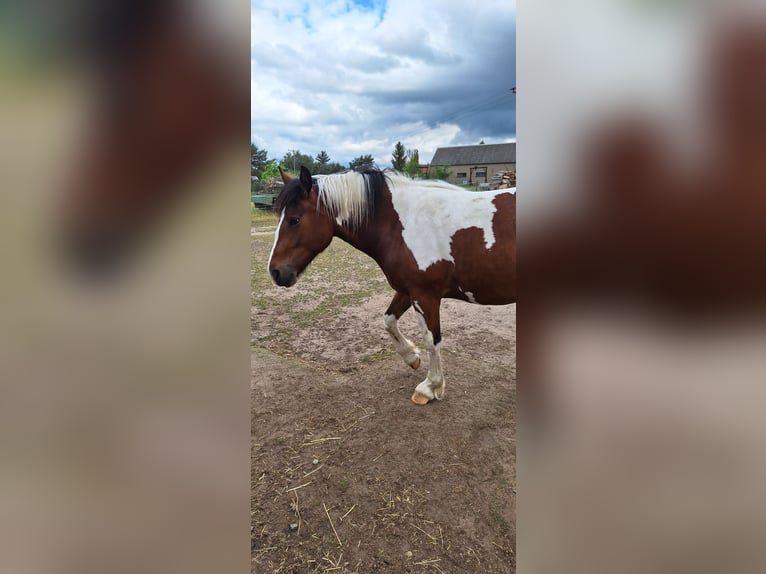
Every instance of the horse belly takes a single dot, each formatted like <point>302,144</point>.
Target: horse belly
<point>499,290</point>
<point>483,276</point>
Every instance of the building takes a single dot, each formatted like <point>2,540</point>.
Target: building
<point>476,164</point>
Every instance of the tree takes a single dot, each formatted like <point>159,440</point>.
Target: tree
<point>439,172</point>
<point>334,167</point>
<point>413,163</point>
<point>271,171</point>
<point>361,162</point>
<point>399,157</point>
<point>322,158</point>
<point>322,162</point>
<point>258,159</point>
<point>294,159</point>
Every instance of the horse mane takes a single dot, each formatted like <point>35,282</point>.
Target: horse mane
<point>290,193</point>
<point>350,197</point>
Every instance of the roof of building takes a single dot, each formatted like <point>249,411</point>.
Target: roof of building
<point>475,154</point>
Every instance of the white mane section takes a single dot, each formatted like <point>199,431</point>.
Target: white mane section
<point>344,196</point>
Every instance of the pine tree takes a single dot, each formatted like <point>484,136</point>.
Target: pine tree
<point>363,161</point>
<point>322,162</point>
<point>399,157</point>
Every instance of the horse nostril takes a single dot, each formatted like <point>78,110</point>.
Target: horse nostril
<point>275,275</point>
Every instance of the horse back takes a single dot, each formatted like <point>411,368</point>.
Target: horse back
<point>484,273</point>
<point>453,243</point>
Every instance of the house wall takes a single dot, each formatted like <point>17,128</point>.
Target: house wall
<point>477,173</point>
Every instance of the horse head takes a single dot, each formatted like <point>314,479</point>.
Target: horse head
<point>303,231</point>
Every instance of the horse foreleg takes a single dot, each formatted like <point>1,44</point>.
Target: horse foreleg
<point>403,345</point>
<point>433,386</point>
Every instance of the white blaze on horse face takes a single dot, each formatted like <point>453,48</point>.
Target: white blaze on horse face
<point>432,212</point>
<point>276,238</point>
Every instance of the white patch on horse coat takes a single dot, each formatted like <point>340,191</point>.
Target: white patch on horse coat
<point>276,238</point>
<point>468,294</point>
<point>431,212</point>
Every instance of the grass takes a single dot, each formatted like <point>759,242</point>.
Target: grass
<point>261,218</point>
<point>339,278</point>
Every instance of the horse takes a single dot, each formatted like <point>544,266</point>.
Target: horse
<point>432,240</point>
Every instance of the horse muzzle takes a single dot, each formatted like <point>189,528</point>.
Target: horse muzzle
<point>284,277</point>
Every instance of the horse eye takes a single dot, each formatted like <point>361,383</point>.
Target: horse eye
<point>293,221</point>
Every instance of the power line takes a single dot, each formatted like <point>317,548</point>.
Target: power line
<point>492,102</point>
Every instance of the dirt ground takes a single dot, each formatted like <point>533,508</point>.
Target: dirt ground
<point>348,476</point>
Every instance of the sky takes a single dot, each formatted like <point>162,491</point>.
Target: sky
<point>354,77</point>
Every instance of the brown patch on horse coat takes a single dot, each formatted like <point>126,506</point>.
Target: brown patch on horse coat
<point>474,264</point>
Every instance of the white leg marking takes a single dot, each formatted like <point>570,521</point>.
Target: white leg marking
<point>470,296</point>
<point>433,385</point>
<point>402,344</point>
<point>276,238</point>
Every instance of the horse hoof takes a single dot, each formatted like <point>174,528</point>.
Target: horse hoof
<point>419,399</point>
<point>415,364</point>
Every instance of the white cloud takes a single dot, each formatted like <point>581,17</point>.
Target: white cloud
<point>329,74</point>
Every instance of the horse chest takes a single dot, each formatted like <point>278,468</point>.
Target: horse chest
<point>431,218</point>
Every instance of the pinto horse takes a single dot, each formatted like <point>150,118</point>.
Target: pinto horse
<point>431,239</point>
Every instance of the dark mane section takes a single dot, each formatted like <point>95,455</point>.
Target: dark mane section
<point>374,186</point>
<point>375,181</point>
<point>290,193</point>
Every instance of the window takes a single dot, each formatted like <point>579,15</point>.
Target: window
<point>481,174</point>
<point>461,174</point>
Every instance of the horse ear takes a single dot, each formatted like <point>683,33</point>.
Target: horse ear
<point>306,182</point>
<point>285,178</point>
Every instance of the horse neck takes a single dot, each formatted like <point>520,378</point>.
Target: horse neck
<point>378,235</point>
<point>365,238</point>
